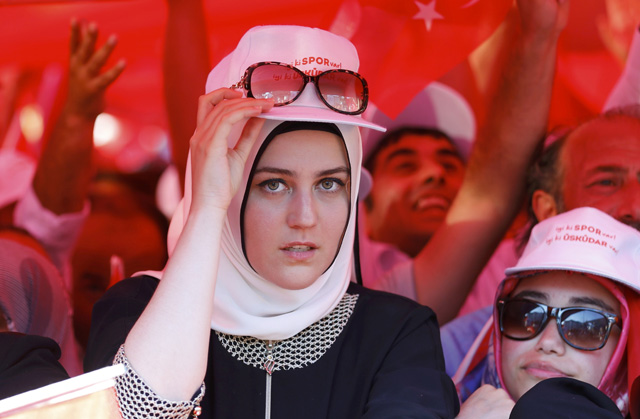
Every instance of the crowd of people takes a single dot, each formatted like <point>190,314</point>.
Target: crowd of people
<point>325,259</point>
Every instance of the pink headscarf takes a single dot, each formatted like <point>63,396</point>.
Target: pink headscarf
<point>614,379</point>
<point>587,241</point>
<point>34,300</point>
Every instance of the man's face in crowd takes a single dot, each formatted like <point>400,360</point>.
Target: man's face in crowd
<point>601,164</point>
<point>415,181</point>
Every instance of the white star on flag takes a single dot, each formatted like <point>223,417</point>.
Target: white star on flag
<point>427,13</point>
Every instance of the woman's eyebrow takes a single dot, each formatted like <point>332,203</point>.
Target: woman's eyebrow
<point>274,170</point>
<point>340,169</point>
<point>535,295</point>
<point>592,301</point>
<point>287,172</point>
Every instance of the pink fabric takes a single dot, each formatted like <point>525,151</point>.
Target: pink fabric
<point>33,298</point>
<point>57,233</point>
<point>484,289</point>
<point>385,268</point>
<point>16,172</point>
<point>627,89</point>
<point>376,259</point>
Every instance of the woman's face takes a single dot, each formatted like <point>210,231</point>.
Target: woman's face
<point>297,207</point>
<point>527,362</point>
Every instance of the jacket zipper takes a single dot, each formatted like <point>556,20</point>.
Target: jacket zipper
<point>269,366</point>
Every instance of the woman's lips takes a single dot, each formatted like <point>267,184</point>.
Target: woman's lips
<point>543,370</point>
<point>299,251</point>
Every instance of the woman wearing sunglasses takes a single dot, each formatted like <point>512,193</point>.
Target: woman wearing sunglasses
<point>255,314</point>
<point>567,309</point>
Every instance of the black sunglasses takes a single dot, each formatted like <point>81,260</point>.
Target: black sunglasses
<point>580,327</point>
<point>343,91</point>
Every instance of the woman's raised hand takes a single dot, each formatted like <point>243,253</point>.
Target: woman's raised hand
<point>217,169</point>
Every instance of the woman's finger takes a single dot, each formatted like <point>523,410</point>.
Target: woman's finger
<point>207,102</point>
<point>216,128</point>
<point>222,112</point>
<point>248,137</point>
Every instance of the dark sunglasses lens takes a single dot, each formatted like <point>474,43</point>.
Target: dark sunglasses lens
<point>521,319</point>
<point>280,83</point>
<point>342,91</point>
<point>585,329</point>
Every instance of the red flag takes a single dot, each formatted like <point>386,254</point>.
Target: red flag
<point>405,44</point>
<point>36,33</point>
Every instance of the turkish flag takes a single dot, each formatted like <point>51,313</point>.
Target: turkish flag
<point>405,44</point>
<point>36,34</point>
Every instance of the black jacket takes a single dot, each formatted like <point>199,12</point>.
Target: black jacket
<point>28,362</point>
<point>387,362</point>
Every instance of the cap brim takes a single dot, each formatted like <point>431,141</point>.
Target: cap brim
<point>312,114</point>
<point>518,271</point>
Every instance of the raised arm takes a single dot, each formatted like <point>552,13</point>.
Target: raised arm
<point>178,316</point>
<point>493,186</point>
<point>185,66</point>
<point>627,89</point>
<point>61,181</point>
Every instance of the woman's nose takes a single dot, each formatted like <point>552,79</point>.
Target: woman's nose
<point>302,211</point>
<point>549,340</point>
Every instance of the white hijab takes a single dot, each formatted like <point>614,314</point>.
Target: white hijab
<point>246,304</point>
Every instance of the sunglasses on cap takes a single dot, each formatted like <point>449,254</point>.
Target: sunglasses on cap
<point>343,91</point>
<point>580,327</point>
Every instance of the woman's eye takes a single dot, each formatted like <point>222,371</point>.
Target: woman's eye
<point>327,184</point>
<point>272,185</point>
<point>331,184</point>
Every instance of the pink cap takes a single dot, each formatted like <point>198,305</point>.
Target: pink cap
<point>437,106</point>
<point>589,241</point>
<point>311,50</point>
<point>584,240</point>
